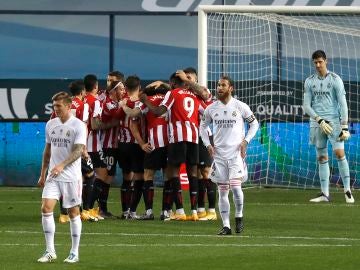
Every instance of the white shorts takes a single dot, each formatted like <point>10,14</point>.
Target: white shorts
<point>222,171</point>
<point>70,192</point>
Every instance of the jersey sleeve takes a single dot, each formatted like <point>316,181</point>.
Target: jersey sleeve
<point>97,109</point>
<point>80,137</point>
<point>168,100</point>
<point>47,136</point>
<point>307,100</point>
<point>204,124</point>
<point>341,98</point>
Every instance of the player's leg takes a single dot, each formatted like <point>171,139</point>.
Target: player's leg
<point>319,139</point>
<point>50,195</point>
<point>64,217</point>
<point>192,159</point>
<point>126,186</point>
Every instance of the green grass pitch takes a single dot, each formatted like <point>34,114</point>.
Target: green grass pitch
<point>282,231</point>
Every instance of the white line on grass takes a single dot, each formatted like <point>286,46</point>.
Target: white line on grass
<point>192,235</point>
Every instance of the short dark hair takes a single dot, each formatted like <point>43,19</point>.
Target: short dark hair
<point>62,96</point>
<point>150,91</point>
<point>190,70</point>
<point>90,82</point>
<point>112,85</point>
<point>76,87</point>
<point>118,75</point>
<point>132,82</point>
<point>175,81</point>
<point>227,78</point>
<point>318,54</point>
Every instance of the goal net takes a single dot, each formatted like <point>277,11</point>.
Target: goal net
<point>267,52</point>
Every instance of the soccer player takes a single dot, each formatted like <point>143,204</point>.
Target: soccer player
<point>228,116</point>
<point>325,103</point>
<point>183,107</point>
<point>65,141</point>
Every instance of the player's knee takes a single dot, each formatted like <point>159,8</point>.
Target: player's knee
<point>339,153</point>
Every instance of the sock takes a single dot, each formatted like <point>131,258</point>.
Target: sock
<point>138,190</point>
<point>193,186</point>
<point>148,193</point>
<point>97,188</point>
<point>201,195</point>
<point>87,190</point>
<point>124,193</point>
<point>238,197</point>
<point>344,173</point>
<point>48,224</point>
<point>211,193</point>
<point>224,204</point>
<point>324,174</point>
<point>103,197</point>
<point>167,196</point>
<point>75,230</point>
<point>63,210</point>
<point>177,192</point>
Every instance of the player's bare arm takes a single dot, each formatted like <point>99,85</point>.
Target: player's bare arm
<point>45,164</point>
<point>154,109</point>
<point>134,128</point>
<point>211,150</point>
<point>135,112</point>
<point>97,124</point>
<point>76,153</point>
<point>194,86</point>
<point>157,84</point>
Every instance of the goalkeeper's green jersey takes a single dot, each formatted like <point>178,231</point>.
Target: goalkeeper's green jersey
<point>325,97</point>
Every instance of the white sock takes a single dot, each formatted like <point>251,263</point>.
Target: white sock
<point>224,204</point>
<point>75,230</point>
<point>48,224</point>
<point>238,197</point>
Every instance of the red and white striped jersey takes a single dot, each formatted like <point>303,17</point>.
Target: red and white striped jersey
<point>125,134</point>
<point>157,126</point>
<point>110,111</point>
<point>183,107</point>
<point>95,110</point>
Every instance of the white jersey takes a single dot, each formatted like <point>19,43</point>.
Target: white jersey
<point>62,137</point>
<point>228,127</point>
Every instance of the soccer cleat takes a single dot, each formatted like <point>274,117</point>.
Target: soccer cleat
<point>47,257</point>
<point>146,217</point>
<point>349,198</point>
<point>72,258</point>
<point>201,214</point>
<point>172,215</point>
<point>192,217</point>
<point>85,216</point>
<point>95,213</point>
<point>106,215</point>
<point>239,225</point>
<point>209,216</point>
<point>180,217</point>
<point>321,197</point>
<point>124,215</point>
<point>165,216</point>
<point>225,231</point>
<point>133,216</point>
<point>63,219</point>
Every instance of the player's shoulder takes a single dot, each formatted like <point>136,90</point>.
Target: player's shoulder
<point>311,77</point>
<point>333,75</point>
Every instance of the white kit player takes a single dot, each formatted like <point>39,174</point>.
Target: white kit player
<point>227,116</point>
<point>65,141</point>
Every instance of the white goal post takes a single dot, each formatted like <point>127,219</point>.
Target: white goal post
<point>267,51</point>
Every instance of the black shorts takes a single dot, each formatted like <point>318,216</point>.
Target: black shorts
<point>110,157</point>
<point>157,159</point>
<point>205,160</point>
<point>97,159</point>
<point>183,152</point>
<point>131,158</point>
<point>86,166</point>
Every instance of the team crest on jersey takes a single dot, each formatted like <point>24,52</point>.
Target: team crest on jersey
<point>314,86</point>
<point>234,114</point>
<point>68,133</point>
<point>329,85</point>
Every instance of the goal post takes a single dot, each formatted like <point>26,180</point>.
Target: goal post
<point>267,51</point>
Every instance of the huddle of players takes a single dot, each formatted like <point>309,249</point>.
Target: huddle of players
<point>144,131</point>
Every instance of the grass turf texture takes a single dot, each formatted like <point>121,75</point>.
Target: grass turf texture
<point>282,231</point>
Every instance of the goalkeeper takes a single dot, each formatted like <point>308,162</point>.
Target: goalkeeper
<point>325,103</point>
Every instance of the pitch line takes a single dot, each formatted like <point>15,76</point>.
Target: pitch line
<point>192,235</point>
<point>186,245</point>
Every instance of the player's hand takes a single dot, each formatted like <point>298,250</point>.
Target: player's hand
<point>41,181</point>
<point>211,150</point>
<point>142,97</point>
<point>324,125</point>
<point>56,170</point>
<point>146,147</point>
<point>155,84</point>
<point>243,147</point>
<point>182,75</point>
<point>344,134</point>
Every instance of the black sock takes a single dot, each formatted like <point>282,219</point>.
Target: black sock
<point>193,189</point>
<point>138,189</point>
<point>103,197</point>
<point>97,188</point>
<point>167,196</point>
<point>201,195</point>
<point>148,193</point>
<point>211,192</point>
<point>63,210</point>
<point>177,192</point>
<point>87,190</point>
<point>125,194</point>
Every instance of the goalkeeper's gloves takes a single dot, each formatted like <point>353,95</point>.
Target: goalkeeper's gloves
<point>344,134</point>
<point>324,125</point>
